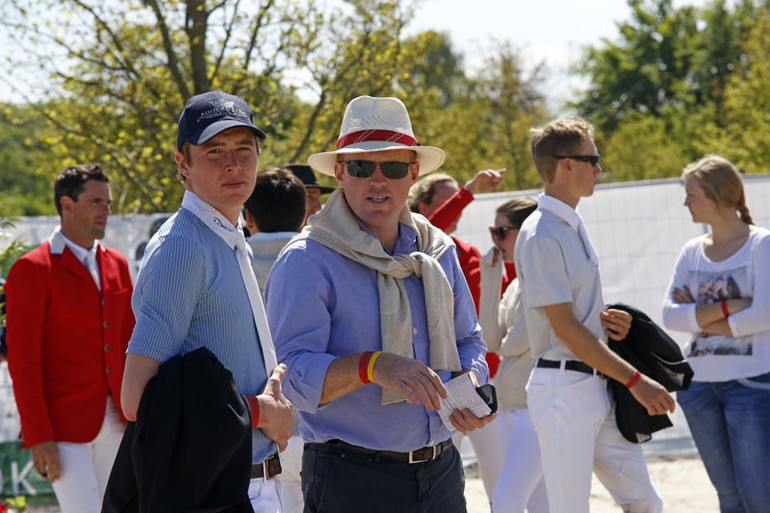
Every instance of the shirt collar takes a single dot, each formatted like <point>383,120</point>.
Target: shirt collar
<point>212,218</point>
<point>57,242</point>
<point>406,237</point>
<point>560,209</point>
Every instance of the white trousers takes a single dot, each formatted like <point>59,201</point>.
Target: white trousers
<point>265,495</point>
<point>290,478</point>
<point>520,484</point>
<point>489,453</point>
<point>85,468</point>
<point>574,416</point>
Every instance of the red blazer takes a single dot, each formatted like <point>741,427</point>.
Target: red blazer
<point>66,340</point>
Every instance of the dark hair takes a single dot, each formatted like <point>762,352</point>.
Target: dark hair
<point>72,181</point>
<point>517,209</point>
<point>278,201</point>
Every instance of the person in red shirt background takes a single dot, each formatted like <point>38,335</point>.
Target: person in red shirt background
<point>440,199</point>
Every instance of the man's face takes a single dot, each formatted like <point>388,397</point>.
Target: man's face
<point>85,220</point>
<point>222,171</point>
<point>312,202</point>
<point>586,174</point>
<point>377,200</point>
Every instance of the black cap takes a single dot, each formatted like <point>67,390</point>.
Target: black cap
<point>305,173</point>
<point>207,114</point>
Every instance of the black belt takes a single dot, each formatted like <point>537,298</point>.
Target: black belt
<point>428,453</point>
<point>268,469</point>
<point>573,365</point>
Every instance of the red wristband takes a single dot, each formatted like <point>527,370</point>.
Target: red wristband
<point>631,382</point>
<point>254,403</point>
<point>724,308</point>
<point>363,366</point>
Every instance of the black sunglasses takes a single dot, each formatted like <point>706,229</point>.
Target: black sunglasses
<point>365,168</point>
<point>591,159</point>
<point>500,231</point>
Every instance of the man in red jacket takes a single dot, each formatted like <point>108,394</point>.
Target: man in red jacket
<point>68,324</point>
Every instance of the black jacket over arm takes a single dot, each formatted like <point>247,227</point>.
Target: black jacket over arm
<point>190,448</point>
<point>648,348</point>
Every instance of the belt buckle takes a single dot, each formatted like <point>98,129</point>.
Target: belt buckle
<point>266,468</point>
<point>433,457</point>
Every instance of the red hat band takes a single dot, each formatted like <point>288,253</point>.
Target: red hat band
<point>376,135</point>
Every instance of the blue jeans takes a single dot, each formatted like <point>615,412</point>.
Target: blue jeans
<point>335,480</point>
<point>730,423</point>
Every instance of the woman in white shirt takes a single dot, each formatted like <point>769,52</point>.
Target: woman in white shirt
<point>520,483</point>
<point>720,292</point>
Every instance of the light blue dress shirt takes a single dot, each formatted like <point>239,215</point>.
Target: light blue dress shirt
<point>322,305</point>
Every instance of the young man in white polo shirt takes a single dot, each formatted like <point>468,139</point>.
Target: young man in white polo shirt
<point>567,393</point>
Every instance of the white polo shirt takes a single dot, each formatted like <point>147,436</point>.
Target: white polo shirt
<point>556,263</point>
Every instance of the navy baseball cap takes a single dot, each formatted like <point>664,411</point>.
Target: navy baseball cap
<point>207,114</point>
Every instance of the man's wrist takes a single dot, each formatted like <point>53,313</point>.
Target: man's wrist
<point>634,379</point>
<point>366,366</point>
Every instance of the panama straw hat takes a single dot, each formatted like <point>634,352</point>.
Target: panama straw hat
<point>377,124</point>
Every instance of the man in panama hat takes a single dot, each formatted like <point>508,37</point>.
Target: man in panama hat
<point>370,311</point>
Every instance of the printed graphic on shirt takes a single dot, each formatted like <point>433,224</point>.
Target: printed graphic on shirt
<point>713,288</point>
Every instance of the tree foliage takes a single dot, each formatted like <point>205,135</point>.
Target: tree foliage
<point>123,70</point>
<point>680,83</point>
<point>745,137</point>
<point>26,162</point>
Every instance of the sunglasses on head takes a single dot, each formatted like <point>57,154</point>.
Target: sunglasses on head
<point>365,168</point>
<point>499,232</point>
<point>591,159</point>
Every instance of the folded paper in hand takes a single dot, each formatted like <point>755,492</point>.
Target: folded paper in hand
<point>462,394</point>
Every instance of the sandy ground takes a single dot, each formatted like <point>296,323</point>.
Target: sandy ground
<point>680,480</point>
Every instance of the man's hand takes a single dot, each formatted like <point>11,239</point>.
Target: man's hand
<point>465,421</point>
<point>653,396</point>
<point>45,458</point>
<point>485,181</point>
<point>415,380</point>
<point>275,410</point>
<point>616,323</point>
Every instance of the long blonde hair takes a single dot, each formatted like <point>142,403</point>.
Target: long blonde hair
<point>721,182</point>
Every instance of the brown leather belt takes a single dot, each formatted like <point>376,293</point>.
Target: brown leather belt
<point>428,453</point>
<point>268,469</point>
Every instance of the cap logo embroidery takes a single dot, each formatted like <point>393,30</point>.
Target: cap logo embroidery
<point>222,107</point>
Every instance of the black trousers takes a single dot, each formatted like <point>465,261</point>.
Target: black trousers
<point>336,479</point>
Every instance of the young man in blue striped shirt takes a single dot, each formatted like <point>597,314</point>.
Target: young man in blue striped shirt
<point>192,290</point>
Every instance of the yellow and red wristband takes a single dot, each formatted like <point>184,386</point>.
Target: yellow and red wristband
<point>366,366</point>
